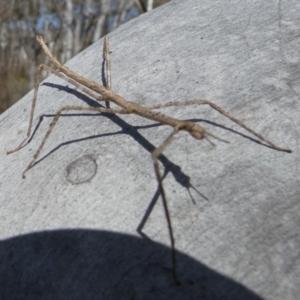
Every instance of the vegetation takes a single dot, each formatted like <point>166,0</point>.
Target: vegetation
<point>68,26</point>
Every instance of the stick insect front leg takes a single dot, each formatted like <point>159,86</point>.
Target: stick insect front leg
<point>223,112</point>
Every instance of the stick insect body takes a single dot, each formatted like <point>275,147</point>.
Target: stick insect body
<point>128,107</point>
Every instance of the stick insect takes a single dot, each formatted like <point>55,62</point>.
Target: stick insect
<point>105,93</point>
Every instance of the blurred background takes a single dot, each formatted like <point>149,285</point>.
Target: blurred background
<point>68,27</point>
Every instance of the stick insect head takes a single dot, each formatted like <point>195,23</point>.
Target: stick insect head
<point>196,130</point>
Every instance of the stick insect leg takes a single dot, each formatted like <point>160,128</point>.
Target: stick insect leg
<point>37,82</point>
<point>106,69</point>
<point>54,121</point>
<point>106,58</point>
<point>223,112</point>
<point>155,155</point>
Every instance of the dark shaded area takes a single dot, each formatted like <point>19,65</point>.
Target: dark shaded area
<point>90,264</point>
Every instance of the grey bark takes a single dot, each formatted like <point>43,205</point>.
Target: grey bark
<point>69,229</point>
